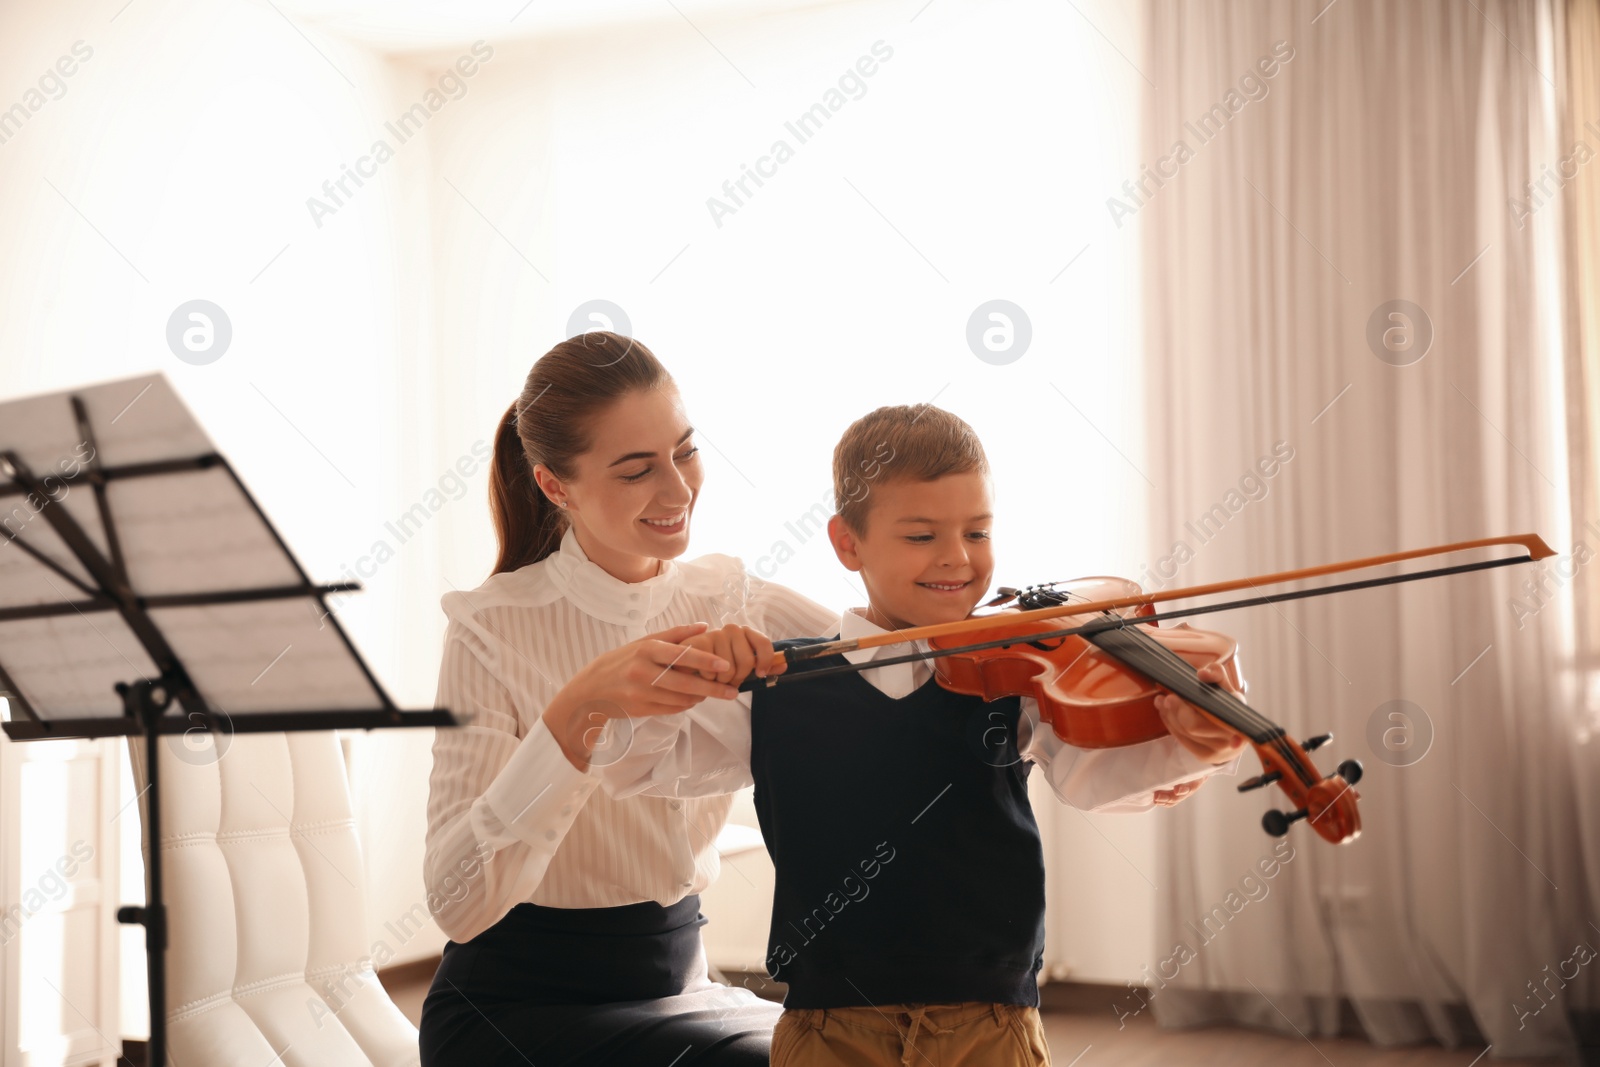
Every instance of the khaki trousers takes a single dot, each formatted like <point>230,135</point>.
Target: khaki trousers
<point>911,1035</point>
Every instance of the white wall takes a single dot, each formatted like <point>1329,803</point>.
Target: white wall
<point>372,352</point>
<point>176,165</point>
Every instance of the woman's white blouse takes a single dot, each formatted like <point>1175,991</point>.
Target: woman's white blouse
<point>510,819</point>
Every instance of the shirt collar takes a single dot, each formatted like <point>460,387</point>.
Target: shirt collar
<point>591,589</point>
<point>897,680</point>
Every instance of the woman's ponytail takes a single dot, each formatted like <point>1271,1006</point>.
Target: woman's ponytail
<point>528,524</point>
<point>549,424</point>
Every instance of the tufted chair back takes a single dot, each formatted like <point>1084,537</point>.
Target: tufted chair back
<point>266,905</point>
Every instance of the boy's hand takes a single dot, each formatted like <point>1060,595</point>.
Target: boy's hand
<point>1168,797</point>
<point>1208,739</point>
<point>744,648</point>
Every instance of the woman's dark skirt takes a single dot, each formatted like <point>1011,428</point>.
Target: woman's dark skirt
<point>563,987</point>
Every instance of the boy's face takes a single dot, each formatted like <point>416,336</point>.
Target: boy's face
<point>925,556</point>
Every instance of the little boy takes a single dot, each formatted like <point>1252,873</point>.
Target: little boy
<point>908,913</point>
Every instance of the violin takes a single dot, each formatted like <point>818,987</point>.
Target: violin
<point>1096,678</point>
<point>1097,688</point>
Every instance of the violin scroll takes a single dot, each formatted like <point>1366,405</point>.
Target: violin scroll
<point>1328,804</point>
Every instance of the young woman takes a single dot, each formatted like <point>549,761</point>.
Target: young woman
<point>573,916</point>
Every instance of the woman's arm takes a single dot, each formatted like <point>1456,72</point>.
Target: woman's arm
<point>503,797</point>
<point>499,801</point>
<point>706,750</point>
<point>703,752</point>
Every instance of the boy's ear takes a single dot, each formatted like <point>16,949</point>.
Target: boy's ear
<point>844,543</point>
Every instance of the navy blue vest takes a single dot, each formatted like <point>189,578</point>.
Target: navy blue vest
<point>909,867</point>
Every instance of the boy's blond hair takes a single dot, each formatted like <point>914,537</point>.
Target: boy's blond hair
<point>905,441</point>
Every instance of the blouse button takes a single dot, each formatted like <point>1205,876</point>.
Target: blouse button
<point>674,805</point>
<point>633,614</point>
<point>685,885</point>
<point>549,835</point>
<point>633,596</point>
<point>566,809</point>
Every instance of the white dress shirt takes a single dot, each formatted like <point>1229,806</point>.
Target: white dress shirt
<point>707,748</point>
<point>501,788</point>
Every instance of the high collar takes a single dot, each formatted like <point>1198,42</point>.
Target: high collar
<point>591,589</point>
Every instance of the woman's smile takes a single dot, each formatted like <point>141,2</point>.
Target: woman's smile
<point>670,524</point>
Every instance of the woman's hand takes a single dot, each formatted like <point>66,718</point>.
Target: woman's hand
<point>744,648</point>
<point>1196,731</point>
<point>655,675</point>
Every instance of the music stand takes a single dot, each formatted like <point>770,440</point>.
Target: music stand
<point>144,591</point>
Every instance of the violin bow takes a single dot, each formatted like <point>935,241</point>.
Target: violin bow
<point>1535,545</point>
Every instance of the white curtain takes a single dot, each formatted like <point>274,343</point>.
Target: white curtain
<point>1341,157</point>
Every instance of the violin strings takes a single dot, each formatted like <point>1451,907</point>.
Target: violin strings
<point>1158,660</point>
<point>1178,673</point>
<point>1166,667</point>
<point>1248,718</point>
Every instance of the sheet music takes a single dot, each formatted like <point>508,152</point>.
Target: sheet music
<point>193,531</point>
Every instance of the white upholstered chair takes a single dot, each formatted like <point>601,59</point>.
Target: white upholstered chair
<point>739,903</point>
<point>267,958</point>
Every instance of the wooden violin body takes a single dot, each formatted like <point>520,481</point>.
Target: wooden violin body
<point>1098,690</point>
<point>1091,698</point>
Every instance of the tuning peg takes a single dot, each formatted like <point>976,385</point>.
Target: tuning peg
<point>1350,770</point>
<point>1260,780</point>
<point>1277,823</point>
<point>1311,744</point>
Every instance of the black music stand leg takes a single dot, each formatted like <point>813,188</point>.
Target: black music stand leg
<point>146,701</point>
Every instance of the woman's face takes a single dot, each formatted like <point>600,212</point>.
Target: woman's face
<point>631,495</point>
